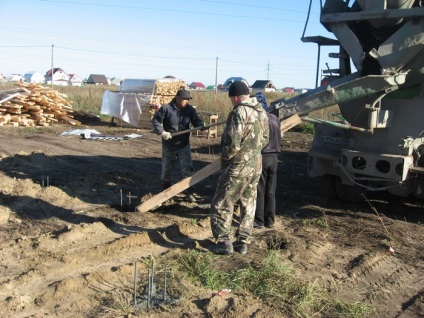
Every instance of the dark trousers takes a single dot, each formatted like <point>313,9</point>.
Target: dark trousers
<point>265,203</point>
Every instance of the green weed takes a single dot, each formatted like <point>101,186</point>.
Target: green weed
<point>272,280</point>
<point>317,222</point>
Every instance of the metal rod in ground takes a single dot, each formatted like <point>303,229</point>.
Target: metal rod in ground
<point>152,275</point>
<point>135,283</point>
<point>47,181</point>
<point>121,198</point>
<point>148,288</point>
<point>164,286</point>
<point>42,181</point>
<point>129,198</point>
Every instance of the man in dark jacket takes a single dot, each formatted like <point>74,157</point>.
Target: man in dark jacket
<point>171,118</point>
<point>265,202</point>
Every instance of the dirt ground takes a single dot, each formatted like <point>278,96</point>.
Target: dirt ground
<point>70,236</point>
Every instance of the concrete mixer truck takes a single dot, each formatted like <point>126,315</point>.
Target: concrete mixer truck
<point>377,142</point>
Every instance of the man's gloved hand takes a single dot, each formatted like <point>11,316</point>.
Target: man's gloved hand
<point>204,128</point>
<point>166,135</point>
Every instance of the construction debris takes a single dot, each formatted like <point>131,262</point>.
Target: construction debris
<point>35,105</point>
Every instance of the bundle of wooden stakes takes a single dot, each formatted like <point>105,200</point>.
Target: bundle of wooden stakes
<point>34,105</point>
<point>165,91</point>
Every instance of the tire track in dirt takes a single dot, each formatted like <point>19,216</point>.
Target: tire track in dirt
<point>377,275</point>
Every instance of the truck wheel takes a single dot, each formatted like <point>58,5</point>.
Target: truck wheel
<point>327,186</point>
<point>348,193</point>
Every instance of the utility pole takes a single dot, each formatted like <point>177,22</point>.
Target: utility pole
<point>267,72</point>
<point>52,66</point>
<point>216,76</point>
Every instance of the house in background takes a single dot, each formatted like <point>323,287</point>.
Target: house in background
<point>15,78</point>
<point>289,90</point>
<point>34,77</point>
<point>263,86</point>
<point>196,85</point>
<point>301,90</point>
<point>75,80</point>
<point>60,77</point>
<point>97,79</point>
<point>116,81</point>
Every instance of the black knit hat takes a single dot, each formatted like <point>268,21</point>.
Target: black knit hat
<point>184,94</point>
<point>238,88</point>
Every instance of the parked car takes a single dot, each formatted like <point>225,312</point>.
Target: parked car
<point>230,81</point>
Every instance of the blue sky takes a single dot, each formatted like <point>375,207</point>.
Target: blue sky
<point>194,40</point>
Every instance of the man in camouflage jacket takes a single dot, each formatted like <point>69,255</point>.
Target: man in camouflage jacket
<point>245,134</point>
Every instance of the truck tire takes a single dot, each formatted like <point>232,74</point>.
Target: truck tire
<point>327,186</point>
<point>348,193</point>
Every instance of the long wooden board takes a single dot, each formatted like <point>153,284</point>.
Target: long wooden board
<point>203,173</point>
<point>290,122</point>
<point>158,199</point>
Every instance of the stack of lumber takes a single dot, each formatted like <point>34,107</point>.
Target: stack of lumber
<point>34,105</point>
<point>165,91</point>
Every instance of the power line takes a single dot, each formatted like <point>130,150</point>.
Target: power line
<point>251,6</point>
<point>167,10</point>
<point>267,71</point>
<point>24,45</point>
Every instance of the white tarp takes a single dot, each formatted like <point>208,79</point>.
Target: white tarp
<point>131,85</point>
<point>125,106</point>
<point>134,93</point>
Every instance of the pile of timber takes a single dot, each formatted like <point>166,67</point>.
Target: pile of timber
<point>164,92</point>
<point>34,105</point>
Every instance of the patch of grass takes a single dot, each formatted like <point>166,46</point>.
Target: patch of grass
<point>352,310</point>
<point>119,303</point>
<point>272,280</point>
<point>87,98</point>
<point>317,222</point>
<point>305,127</point>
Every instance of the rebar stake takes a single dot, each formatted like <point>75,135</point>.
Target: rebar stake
<point>120,190</point>
<point>164,286</point>
<point>148,289</point>
<point>135,283</point>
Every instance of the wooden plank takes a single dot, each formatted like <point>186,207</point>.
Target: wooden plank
<point>290,122</point>
<point>158,199</point>
<point>9,97</point>
<point>203,173</point>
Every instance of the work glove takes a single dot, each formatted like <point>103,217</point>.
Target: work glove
<point>166,135</point>
<point>204,127</point>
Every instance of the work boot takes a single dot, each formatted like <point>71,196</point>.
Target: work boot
<point>240,247</point>
<point>257,226</point>
<point>223,248</point>
<point>190,198</point>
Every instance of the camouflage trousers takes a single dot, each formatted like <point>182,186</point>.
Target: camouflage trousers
<point>231,190</point>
